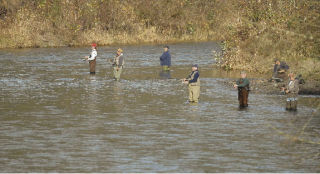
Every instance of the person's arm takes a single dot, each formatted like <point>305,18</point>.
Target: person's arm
<point>245,83</point>
<point>195,78</point>
<point>162,57</point>
<point>93,55</point>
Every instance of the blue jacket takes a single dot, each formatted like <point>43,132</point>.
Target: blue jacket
<point>195,77</point>
<point>165,59</point>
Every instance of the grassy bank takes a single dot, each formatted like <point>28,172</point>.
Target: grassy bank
<point>45,23</point>
<point>254,31</point>
<point>261,30</point>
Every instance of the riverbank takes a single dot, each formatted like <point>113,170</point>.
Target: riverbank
<point>253,32</point>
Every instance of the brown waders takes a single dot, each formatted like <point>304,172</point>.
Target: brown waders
<point>243,95</point>
<point>92,65</point>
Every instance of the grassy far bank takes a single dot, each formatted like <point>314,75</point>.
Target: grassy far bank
<point>254,31</point>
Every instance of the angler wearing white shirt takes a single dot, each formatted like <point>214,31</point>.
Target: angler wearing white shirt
<point>92,58</point>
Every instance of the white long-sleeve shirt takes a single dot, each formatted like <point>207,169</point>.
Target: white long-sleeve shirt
<point>93,54</point>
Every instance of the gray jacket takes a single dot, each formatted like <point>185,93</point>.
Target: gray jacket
<point>118,61</point>
<point>293,87</point>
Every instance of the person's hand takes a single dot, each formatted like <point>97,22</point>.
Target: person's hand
<point>185,81</point>
<point>287,91</point>
<point>235,86</point>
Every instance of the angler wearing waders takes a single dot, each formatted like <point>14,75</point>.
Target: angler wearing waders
<point>243,90</point>
<point>193,82</point>
<point>292,90</point>
<point>165,59</point>
<point>118,63</point>
<point>92,58</point>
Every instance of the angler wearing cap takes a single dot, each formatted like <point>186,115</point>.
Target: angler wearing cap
<point>242,85</point>
<point>193,82</point>
<point>292,90</point>
<point>118,63</point>
<point>92,58</point>
<point>165,59</point>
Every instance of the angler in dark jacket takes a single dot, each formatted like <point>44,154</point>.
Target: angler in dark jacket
<point>242,85</point>
<point>280,69</point>
<point>165,59</point>
<point>193,82</point>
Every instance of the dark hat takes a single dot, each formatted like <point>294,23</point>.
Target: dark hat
<point>166,46</point>
<point>276,59</point>
<point>195,65</point>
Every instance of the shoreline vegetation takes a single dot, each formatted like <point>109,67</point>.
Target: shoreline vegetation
<point>253,32</point>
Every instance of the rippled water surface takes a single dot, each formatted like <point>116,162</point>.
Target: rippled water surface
<point>55,117</point>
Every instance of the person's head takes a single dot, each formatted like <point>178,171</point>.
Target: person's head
<point>277,61</point>
<point>93,45</point>
<point>166,48</point>
<point>194,67</point>
<point>119,51</point>
<point>243,74</point>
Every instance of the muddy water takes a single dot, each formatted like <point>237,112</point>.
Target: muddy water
<point>55,117</point>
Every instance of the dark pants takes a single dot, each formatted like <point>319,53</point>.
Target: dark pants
<point>92,64</point>
<point>243,97</point>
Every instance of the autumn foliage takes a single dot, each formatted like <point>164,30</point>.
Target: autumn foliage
<point>254,32</point>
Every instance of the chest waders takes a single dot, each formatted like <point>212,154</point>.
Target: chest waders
<point>117,68</point>
<point>92,65</point>
<point>194,89</point>
<point>292,99</point>
<point>243,94</point>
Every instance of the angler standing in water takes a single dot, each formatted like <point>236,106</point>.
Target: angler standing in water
<point>193,82</point>
<point>243,89</point>
<point>92,58</point>
<point>165,59</point>
<point>117,64</point>
<point>292,90</point>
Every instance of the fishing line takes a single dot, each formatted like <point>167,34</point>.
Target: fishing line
<point>296,138</point>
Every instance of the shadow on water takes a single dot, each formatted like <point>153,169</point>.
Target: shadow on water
<point>55,117</point>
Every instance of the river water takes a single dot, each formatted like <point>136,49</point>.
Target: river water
<point>55,117</point>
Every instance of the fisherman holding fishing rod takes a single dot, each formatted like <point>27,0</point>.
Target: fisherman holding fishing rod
<point>92,58</point>
<point>193,82</point>
<point>117,64</point>
<point>242,85</point>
